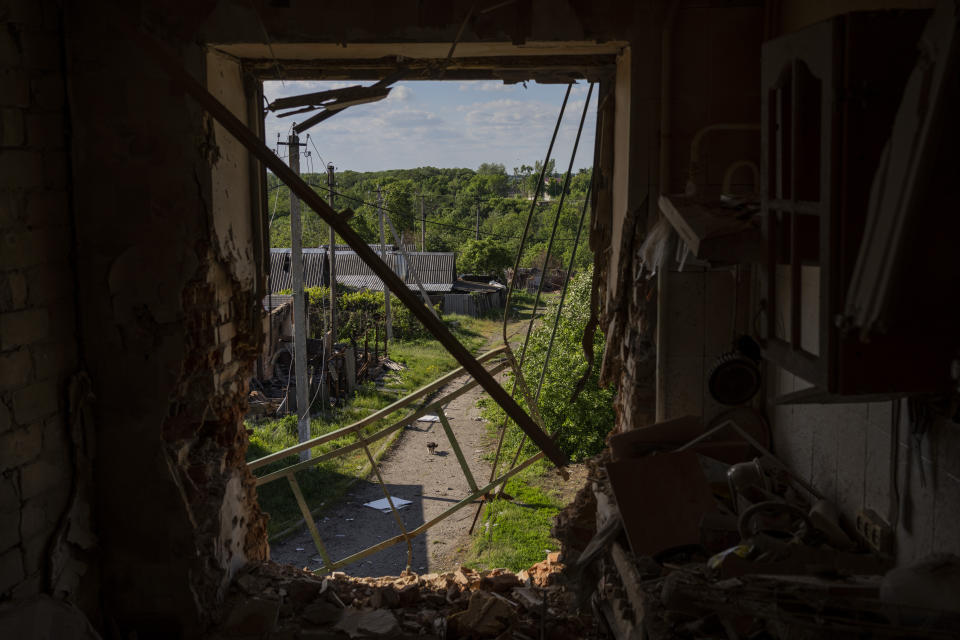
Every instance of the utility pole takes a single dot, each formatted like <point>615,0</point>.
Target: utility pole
<point>478,214</point>
<point>423,226</point>
<point>299,307</point>
<point>332,252</point>
<point>386,291</point>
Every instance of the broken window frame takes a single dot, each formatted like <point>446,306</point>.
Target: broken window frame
<point>250,135</point>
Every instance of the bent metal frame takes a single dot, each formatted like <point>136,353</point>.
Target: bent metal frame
<point>469,364</point>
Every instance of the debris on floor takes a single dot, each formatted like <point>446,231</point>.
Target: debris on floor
<point>694,536</point>
<point>383,505</point>
<point>392,364</point>
<point>278,601</point>
<point>336,371</point>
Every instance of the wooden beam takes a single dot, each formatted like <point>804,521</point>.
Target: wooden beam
<point>174,68</point>
<point>509,68</point>
<point>331,96</point>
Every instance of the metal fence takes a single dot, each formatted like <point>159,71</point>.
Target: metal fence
<point>427,405</point>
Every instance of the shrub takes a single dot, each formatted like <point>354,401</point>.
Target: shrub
<point>579,427</point>
<point>361,316</point>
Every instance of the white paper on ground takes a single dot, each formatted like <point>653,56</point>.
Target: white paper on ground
<point>383,506</point>
<point>428,418</point>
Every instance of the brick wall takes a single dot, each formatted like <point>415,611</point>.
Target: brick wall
<point>38,342</point>
<point>169,321</point>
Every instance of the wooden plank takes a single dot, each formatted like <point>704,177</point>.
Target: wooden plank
<point>631,580</point>
<point>593,67</point>
<point>331,96</point>
<point>661,499</point>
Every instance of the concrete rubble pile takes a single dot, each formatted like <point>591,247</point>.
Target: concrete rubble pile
<point>719,541</point>
<point>282,602</point>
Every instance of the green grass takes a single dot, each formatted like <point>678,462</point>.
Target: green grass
<point>516,534</point>
<point>324,484</point>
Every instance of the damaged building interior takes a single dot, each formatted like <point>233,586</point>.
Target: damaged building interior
<point>774,272</point>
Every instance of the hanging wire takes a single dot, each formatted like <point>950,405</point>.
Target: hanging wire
<point>513,279</point>
<point>412,218</point>
<point>323,162</point>
<point>454,196</point>
<point>276,200</point>
<point>543,279</point>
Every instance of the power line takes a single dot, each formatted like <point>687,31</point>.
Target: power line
<point>411,218</point>
<point>323,162</point>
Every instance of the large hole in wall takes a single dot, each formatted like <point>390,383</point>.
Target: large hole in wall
<point>243,203</point>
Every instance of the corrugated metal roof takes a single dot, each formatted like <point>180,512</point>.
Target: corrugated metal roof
<point>275,301</point>
<point>375,284</point>
<point>433,267</point>
<point>281,277</point>
<point>349,264</point>
<point>437,270</point>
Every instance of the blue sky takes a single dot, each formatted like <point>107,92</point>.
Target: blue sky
<point>442,124</point>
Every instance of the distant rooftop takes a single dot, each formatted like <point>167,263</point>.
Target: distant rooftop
<point>436,270</point>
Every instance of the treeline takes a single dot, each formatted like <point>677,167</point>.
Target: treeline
<point>451,200</point>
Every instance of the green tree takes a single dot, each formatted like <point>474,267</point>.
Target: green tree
<point>491,168</point>
<point>486,255</point>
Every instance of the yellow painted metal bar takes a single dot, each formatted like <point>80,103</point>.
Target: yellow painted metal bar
<point>393,508</point>
<point>280,473</point>
<point>446,514</point>
<point>308,518</point>
<point>456,449</point>
<point>373,417</point>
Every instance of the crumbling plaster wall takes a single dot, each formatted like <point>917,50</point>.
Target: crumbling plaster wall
<point>625,202</point>
<point>44,508</point>
<point>170,323</point>
<point>168,312</point>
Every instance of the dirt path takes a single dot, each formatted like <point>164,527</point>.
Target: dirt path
<point>433,483</point>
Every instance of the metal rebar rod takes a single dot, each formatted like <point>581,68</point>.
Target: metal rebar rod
<point>573,253</point>
<point>174,68</point>
<point>513,279</point>
<point>553,233</point>
<point>533,206</point>
<point>373,417</point>
<point>408,419</point>
<point>393,508</point>
<point>446,514</point>
<point>308,518</point>
<point>452,439</point>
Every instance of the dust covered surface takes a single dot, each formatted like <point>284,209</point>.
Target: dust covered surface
<point>269,600</point>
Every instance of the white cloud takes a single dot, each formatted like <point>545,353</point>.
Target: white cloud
<point>401,93</point>
<point>486,85</point>
<point>457,125</point>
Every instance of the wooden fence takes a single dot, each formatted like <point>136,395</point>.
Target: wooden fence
<point>473,304</point>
